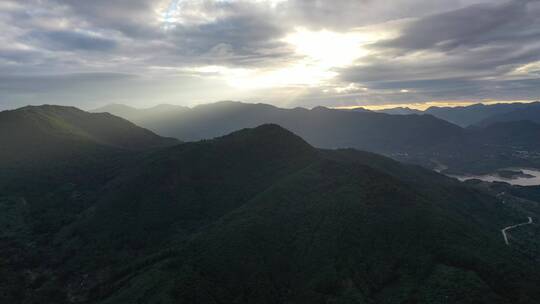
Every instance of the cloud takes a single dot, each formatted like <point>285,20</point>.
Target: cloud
<point>468,53</point>
<point>72,41</point>
<point>472,26</point>
<point>16,56</point>
<point>410,50</point>
<point>244,39</point>
<point>133,18</point>
<point>346,14</point>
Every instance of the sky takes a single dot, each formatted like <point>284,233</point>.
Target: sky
<point>340,53</point>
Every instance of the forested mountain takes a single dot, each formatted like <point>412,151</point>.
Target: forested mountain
<point>476,114</point>
<point>321,127</point>
<point>421,139</point>
<point>473,114</point>
<point>524,135</point>
<point>531,113</point>
<point>44,134</point>
<point>321,195</point>
<point>484,150</point>
<point>260,216</point>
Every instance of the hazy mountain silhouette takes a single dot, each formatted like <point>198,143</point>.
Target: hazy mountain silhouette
<point>530,113</point>
<point>524,134</point>
<point>421,139</point>
<point>400,111</point>
<point>476,114</point>
<point>141,116</point>
<point>473,114</point>
<point>321,127</point>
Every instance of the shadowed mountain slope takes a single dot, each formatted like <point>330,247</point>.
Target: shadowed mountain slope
<point>523,134</point>
<point>473,114</point>
<point>531,113</point>
<point>260,216</point>
<point>421,139</point>
<point>476,114</point>
<point>321,127</point>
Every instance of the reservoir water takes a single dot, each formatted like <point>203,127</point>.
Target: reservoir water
<point>520,181</point>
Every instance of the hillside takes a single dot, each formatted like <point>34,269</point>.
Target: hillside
<point>260,216</point>
<point>520,134</point>
<point>473,114</point>
<point>484,150</point>
<point>44,134</point>
<point>321,127</point>
<point>421,139</point>
<point>476,114</point>
<point>141,116</point>
<point>531,113</point>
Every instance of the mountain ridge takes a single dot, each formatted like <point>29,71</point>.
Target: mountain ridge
<point>531,113</point>
<point>43,132</point>
<point>478,114</point>
<point>417,138</point>
<point>212,120</point>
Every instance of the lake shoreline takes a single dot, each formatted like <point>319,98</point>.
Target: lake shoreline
<point>523,177</point>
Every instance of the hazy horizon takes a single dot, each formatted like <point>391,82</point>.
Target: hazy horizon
<point>287,53</point>
<point>413,106</point>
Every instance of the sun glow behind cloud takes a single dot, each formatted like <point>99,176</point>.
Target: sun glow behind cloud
<point>318,53</point>
<point>329,49</point>
<point>309,53</point>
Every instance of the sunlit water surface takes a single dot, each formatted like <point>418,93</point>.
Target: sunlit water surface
<point>520,181</point>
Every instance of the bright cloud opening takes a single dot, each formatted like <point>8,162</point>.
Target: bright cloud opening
<point>319,52</point>
<point>329,49</point>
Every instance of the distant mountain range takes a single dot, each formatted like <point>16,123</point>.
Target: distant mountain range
<point>142,116</point>
<point>400,111</point>
<point>422,139</point>
<point>256,216</point>
<point>321,127</point>
<point>529,113</point>
<point>477,114</point>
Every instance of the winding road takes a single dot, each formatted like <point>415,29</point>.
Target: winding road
<point>504,230</point>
